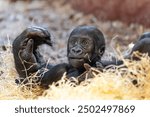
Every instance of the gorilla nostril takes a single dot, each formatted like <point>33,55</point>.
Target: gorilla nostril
<point>79,51</point>
<point>76,51</point>
<point>72,50</point>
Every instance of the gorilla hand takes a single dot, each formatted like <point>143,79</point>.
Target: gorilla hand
<point>27,57</point>
<point>27,60</point>
<point>25,49</point>
<point>39,35</point>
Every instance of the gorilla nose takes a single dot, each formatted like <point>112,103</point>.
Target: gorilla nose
<point>76,51</point>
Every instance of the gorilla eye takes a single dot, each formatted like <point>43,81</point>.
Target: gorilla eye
<point>73,42</point>
<point>84,42</point>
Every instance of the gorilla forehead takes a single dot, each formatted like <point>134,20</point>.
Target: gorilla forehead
<point>90,31</point>
<point>85,30</point>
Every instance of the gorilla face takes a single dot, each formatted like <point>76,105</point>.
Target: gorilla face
<point>81,48</point>
<point>85,45</point>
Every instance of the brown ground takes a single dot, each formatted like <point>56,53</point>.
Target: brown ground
<point>128,11</point>
<point>59,18</point>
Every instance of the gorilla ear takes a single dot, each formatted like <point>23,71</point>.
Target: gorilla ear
<point>101,50</point>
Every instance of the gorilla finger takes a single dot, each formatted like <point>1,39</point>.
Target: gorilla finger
<point>23,54</point>
<point>24,42</point>
<point>34,31</point>
<point>29,47</point>
<point>42,32</point>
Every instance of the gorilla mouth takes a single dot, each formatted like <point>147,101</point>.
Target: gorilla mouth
<point>74,58</point>
<point>76,62</point>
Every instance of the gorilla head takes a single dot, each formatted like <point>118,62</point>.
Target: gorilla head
<point>86,44</point>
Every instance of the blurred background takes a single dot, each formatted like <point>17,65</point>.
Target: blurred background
<point>121,21</point>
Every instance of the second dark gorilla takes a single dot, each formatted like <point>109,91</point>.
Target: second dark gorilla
<point>142,45</point>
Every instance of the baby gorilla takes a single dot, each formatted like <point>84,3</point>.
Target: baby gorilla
<point>86,44</point>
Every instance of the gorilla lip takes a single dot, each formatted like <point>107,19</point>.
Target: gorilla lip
<point>73,58</point>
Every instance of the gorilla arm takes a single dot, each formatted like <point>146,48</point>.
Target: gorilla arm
<point>52,74</point>
<point>28,61</point>
<point>21,51</point>
<point>142,46</point>
<point>46,74</point>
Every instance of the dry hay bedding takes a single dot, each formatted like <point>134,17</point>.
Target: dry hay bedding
<point>109,84</point>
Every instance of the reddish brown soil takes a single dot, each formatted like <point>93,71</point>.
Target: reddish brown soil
<point>129,11</point>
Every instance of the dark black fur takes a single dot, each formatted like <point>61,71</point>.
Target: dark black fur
<point>86,44</point>
<point>39,36</point>
<point>142,46</point>
<point>27,56</point>
<point>34,36</point>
